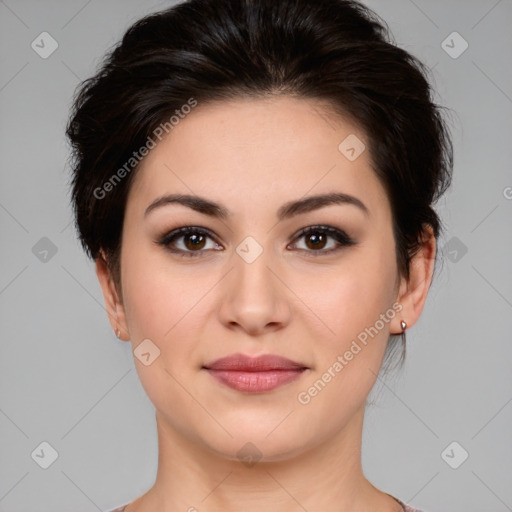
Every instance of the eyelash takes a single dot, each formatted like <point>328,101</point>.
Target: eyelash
<point>340,236</point>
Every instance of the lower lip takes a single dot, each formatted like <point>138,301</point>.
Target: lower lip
<point>255,382</point>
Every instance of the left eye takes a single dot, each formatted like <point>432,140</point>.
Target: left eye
<point>317,239</point>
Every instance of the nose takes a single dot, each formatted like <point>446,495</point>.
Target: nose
<point>254,298</point>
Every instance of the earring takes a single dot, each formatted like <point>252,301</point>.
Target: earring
<point>403,325</point>
<point>118,333</point>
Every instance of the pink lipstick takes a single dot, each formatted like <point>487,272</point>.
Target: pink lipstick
<point>255,374</point>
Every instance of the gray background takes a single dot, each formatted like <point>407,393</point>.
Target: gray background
<point>65,378</point>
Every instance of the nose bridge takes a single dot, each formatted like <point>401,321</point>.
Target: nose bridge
<point>256,298</point>
<point>252,262</point>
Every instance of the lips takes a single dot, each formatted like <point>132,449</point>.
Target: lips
<point>243,363</point>
<point>254,374</point>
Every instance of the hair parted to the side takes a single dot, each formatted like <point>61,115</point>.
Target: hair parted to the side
<point>337,51</point>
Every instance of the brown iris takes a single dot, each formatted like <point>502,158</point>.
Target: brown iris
<point>194,241</point>
<point>317,240</point>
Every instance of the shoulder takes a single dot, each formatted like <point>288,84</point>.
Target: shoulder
<point>407,508</point>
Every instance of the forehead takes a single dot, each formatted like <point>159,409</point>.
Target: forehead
<point>258,148</point>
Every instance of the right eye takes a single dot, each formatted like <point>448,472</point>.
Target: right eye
<point>188,241</point>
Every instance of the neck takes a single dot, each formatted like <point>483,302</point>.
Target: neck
<point>193,478</point>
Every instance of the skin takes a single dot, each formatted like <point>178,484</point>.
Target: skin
<point>252,156</point>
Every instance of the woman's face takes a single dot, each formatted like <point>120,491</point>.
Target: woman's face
<point>248,282</point>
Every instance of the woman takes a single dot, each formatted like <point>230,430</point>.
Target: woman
<point>255,182</point>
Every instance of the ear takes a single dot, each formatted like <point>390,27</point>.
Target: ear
<point>114,305</point>
<point>413,292</point>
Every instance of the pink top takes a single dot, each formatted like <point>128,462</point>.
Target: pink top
<point>406,508</point>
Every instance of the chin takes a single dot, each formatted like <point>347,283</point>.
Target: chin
<point>253,445</point>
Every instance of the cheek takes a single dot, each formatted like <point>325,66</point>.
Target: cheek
<point>352,296</point>
<point>348,361</point>
<point>159,294</point>
<point>163,304</point>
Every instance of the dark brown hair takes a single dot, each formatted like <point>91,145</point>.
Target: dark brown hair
<point>338,51</point>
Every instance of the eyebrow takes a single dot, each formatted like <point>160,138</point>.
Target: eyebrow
<point>288,210</point>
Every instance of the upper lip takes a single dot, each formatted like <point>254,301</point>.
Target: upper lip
<point>241,362</point>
